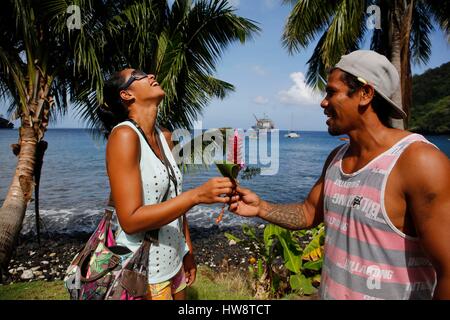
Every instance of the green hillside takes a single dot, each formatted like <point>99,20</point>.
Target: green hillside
<point>431,101</point>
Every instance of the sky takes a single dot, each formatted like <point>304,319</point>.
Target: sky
<point>268,80</point>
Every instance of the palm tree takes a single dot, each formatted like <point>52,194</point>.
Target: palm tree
<point>183,52</point>
<point>44,66</point>
<point>342,26</point>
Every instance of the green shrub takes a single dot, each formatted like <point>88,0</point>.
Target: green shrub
<point>286,261</point>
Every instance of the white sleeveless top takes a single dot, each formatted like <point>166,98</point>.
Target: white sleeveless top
<point>166,258</point>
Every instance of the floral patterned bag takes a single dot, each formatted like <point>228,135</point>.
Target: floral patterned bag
<point>131,281</point>
<point>97,269</point>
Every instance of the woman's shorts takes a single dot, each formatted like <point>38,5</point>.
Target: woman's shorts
<point>166,289</point>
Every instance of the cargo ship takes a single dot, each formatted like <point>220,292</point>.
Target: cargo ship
<point>263,123</point>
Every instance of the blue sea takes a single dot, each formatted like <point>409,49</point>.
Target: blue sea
<point>74,186</point>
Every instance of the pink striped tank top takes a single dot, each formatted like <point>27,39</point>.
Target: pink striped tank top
<point>366,256</point>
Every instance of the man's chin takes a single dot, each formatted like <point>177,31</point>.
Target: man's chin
<point>334,131</point>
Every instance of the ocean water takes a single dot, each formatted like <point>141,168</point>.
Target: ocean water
<point>74,186</point>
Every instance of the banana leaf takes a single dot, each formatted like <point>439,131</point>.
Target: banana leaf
<point>301,283</point>
<point>228,169</point>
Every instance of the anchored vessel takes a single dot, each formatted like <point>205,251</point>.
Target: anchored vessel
<point>263,123</point>
<point>292,134</point>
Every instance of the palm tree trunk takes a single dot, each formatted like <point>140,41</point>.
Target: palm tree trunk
<point>405,57</point>
<point>34,124</point>
<point>40,151</point>
<point>19,194</point>
<point>400,31</point>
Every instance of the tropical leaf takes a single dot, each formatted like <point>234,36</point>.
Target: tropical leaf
<point>229,236</point>
<point>191,43</point>
<point>439,10</point>
<point>260,269</point>
<point>314,250</point>
<point>315,265</point>
<point>420,30</point>
<point>249,231</point>
<point>291,254</point>
<point>339,27</point>
<point>271,231</point>
<point>229,170</point>
<point>300,283</point>
<point>271,234</point>
<point>342,28</point>
<point>316,279</point>
<point>313,254</point>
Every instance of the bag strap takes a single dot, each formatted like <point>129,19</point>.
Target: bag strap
<point>170,172</point>
<point>165,161</point>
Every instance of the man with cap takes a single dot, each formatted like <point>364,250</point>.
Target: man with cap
<point>384,196</point>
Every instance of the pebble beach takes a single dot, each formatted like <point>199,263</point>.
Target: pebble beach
<point>49,260</point>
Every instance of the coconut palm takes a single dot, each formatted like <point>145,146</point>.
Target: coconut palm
<point>183,53</point>
<point>343,25</point>
<point>44,66</point>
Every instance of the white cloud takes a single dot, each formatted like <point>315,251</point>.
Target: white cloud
<point>260,100</point>
<point>270,3</point>
<point>299,93</point>
<point>234,3</point>
<point>259,70</point>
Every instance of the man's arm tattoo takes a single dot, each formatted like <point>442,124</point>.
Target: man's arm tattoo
<point>290,216</point>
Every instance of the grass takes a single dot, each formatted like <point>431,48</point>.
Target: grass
<point>208,286</point>
<point>35,290</point>
<point>219,286</point>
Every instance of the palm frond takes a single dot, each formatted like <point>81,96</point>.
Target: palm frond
<point>316,74</point>
<point>345,32</point>
<point>343,28</point>
<point>307,19</point>
<point>420,30</point>
<point>189,48</point>
<point>440,11</point>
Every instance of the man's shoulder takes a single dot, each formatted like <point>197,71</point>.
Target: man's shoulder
<point>421,152</point>
<point>421,160</point>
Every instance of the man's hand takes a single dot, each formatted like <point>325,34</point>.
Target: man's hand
<point>190,268</point>
<point>246,203</point>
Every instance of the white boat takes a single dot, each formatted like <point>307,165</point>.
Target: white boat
<point>292,135</point>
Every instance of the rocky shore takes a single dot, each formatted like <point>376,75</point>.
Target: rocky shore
<point>49,261</point>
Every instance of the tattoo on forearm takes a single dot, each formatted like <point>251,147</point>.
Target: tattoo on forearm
<point>290,216</point>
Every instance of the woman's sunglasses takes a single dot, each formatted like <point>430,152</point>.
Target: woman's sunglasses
<point>135,75</point>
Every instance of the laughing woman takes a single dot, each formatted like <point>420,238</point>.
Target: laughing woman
<point>146,187</point>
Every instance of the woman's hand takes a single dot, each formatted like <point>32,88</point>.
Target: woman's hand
<point>246,204</point>
<point>190,268</point>
<point>211,191</point>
